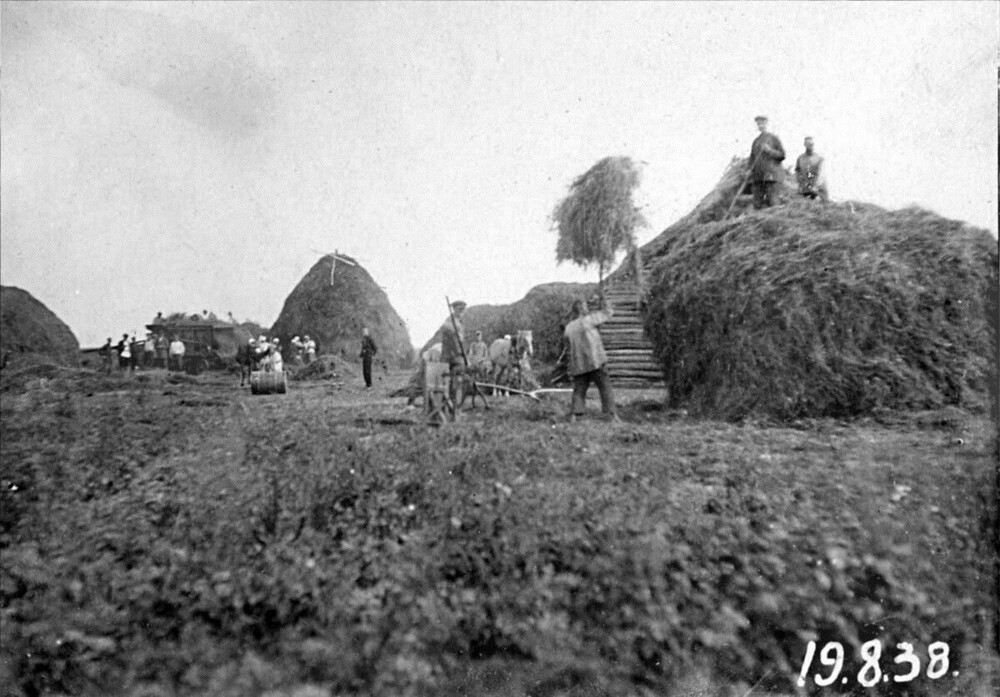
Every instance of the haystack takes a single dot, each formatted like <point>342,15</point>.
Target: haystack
<point>808,310</point>
<point>333,314</point>
<point>31,332</point>
<point>544,310</point>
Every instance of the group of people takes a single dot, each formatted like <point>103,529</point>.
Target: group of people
<point>766,156</point>
<point>303,350</point>
<point>587,359</point>
<point>131,354</point>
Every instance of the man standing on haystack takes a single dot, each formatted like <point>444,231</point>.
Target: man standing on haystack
<point>810,174</point>
<point>766,155</point>
<point>368,351</point>
<point>587,358</point>
<point>452,347</point>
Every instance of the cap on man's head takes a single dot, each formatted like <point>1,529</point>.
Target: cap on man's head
<point>758,119</point>
<point>459,305</point>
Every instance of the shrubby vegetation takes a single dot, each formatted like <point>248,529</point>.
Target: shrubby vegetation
<point>184,537</point>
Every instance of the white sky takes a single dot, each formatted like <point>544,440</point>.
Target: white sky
<point>188,156</point>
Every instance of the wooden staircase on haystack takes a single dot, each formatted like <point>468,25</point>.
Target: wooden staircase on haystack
<point>631,362</point>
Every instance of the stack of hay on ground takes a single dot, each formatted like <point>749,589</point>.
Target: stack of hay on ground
<point>333,314</point>
<point>822,310</point>
<point>31,333</point>
<point>323,368</point>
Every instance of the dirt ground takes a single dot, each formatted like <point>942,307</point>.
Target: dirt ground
<point>175,535</point>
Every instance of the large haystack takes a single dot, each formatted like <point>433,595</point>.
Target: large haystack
<point>808,309</point>
<point>30,332</point>
<point>334,314</point>
<point>544,310</point>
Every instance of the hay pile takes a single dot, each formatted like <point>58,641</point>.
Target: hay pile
<point>323,368</point>
<point>31,333</point>
<point>334,314</point>
<point>809,310</point>
<point>544,310</point>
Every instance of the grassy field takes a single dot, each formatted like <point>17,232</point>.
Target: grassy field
<point>178,536</point>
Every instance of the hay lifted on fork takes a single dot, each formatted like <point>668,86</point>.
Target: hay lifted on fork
<point>812,310</point>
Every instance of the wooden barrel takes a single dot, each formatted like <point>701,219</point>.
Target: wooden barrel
<point>268,382</point>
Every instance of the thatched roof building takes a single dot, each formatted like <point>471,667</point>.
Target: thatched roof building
<point>808,309</point>
<point>333,302</point>
<point>31,332</point>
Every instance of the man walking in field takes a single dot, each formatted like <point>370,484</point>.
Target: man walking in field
<point>587,358</point>
<point>368,351</point>
<point>766,155</point>
<point>810,174</point>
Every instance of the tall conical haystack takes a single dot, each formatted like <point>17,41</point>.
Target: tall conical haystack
<point>31,332</point>
<point>334,314</point>
<point>807,309</point>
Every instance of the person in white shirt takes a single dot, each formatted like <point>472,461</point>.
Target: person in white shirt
<point>177,354</point>
<point>587,358</point>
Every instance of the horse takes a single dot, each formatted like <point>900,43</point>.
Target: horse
<point>510,355</point>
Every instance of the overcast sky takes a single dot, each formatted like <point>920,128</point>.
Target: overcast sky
<point>197,155</point>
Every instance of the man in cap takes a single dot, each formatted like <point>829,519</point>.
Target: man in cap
<point>810,174</point>
<point>766,155</point>
<point>452,348</point>
<point>587,358</point>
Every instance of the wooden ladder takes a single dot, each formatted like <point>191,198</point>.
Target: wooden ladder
<point>631,362</point>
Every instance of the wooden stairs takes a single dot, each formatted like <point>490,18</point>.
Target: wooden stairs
<point>630,353</point>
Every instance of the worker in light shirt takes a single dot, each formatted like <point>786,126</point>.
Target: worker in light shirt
<point>587,358</point>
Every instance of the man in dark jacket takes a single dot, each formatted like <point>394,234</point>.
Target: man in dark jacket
<point>766,155</point>
<point>368,351</point>
<point>453,348</point>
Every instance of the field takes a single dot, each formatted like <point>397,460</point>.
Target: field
<point>177,536</point>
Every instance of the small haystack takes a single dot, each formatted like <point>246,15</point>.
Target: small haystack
<point>31,332</point>
<point>807,310</point>
<point>333,314</point>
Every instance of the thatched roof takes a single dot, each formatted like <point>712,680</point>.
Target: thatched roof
<point>31,332</point>
<point>807,309</point>
<point>334,314</point>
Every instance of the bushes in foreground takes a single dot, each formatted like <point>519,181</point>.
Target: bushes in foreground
<point>379,562</point>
